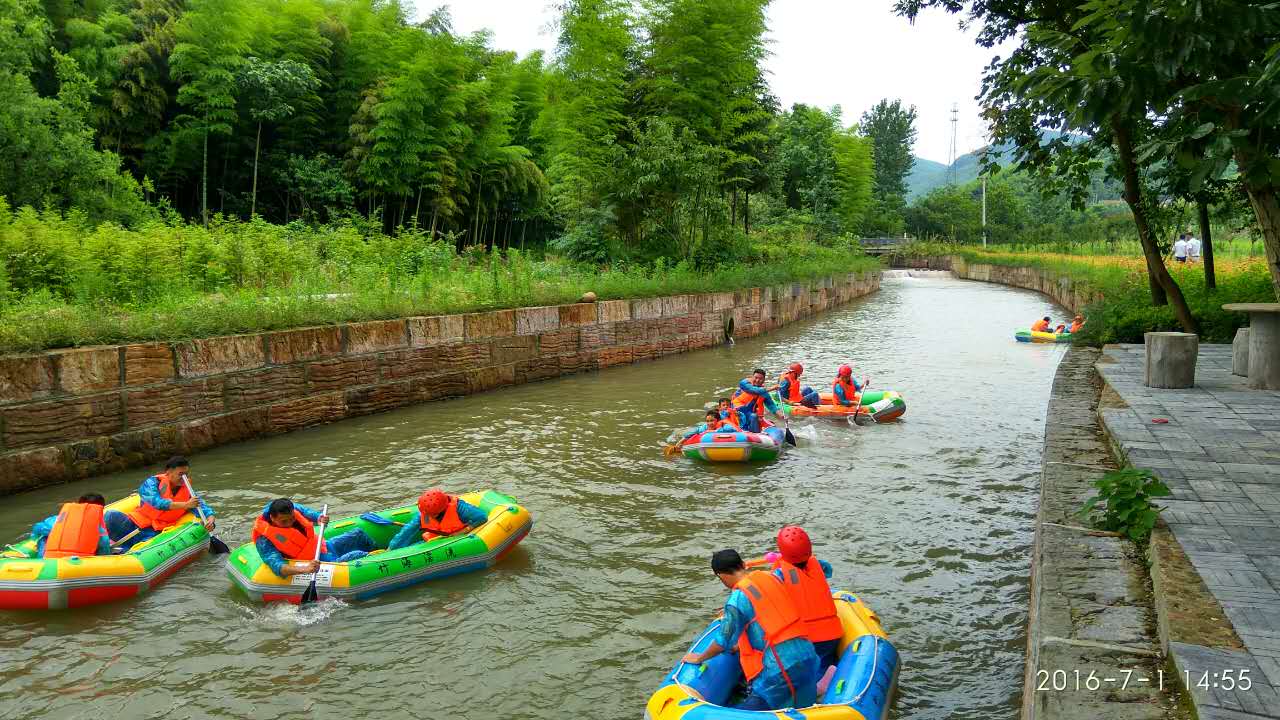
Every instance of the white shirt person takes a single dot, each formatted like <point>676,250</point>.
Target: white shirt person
<point>1193,248</point>
<point>1180,249</point>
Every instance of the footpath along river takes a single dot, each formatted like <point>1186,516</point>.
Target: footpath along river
<point>929,519</point>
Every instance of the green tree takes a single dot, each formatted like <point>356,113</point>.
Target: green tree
<point>892,130</point>
<point>1209,74</point>
<point>267,88</point>
<point>1059,77</point>
<point>587,94</point>
<point>212,39</point>
<point>855,178</point>
<point>805,164</point>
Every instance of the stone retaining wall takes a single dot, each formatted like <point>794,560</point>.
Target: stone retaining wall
<point>1065,291</point>
<point>69,414</point>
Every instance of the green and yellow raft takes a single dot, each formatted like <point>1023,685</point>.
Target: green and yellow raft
<point>1028,336</point>
<point>29,582</point>
<point>386,570</point>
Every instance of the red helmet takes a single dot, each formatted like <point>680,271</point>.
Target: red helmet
<point>433,502</point>
<point>845,371</point>
<point>793,543</point>
<point>797,368</point>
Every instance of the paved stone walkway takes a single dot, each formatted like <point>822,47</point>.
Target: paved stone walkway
<point>1220,455</point>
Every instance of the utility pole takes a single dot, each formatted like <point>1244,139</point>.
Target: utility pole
<point>984,211</point>
<point>952,175</point>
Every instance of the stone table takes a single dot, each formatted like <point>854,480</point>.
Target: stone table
<point>1264,343</point>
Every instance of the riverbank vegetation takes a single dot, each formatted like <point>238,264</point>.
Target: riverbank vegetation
<point>1125,312</point>
<point>1172,100</point>
<point>69,283</point>
<point>166,165</point>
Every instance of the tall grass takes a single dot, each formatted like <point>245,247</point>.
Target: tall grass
<point>63,283</point>
<point>1126,311</point>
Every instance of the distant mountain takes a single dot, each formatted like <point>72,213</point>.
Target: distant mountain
<point>929,174</point>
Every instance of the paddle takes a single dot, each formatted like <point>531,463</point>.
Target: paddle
<point>216,546</point>
<point>126,538</point>
<point>786,426</point>
<point>310,595</point>
<point>379,520</point>
<point>866,383</point>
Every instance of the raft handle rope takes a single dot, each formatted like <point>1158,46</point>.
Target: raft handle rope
<point>871,676</point>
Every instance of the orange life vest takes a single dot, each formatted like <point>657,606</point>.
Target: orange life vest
<point>812,596</point>
<point>1075,326</point>
<point>850,390</point>
<point>1040,326</point>
<point>793,390</point>
<point>734,419</point>
<point>447,524</point>
<point>776,614</point>
<point>742,400</point>
<point>76,531</point>
<point>296,543</point>
<point>145,516</point>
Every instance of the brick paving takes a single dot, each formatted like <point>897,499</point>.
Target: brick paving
<point>1220,456</point>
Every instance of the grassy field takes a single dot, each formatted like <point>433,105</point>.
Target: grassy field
<point>64,284</point>
<point>1126,312</point>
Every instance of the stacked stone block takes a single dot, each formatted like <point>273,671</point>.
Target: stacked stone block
<point>70,414</point>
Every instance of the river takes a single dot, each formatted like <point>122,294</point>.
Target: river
<point>930,520</point>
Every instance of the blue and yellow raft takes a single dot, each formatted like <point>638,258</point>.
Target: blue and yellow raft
<point>862,688</point>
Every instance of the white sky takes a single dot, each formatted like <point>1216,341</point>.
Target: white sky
<point>850,53</point>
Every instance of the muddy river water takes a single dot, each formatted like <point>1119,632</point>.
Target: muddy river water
<point>929,520</point>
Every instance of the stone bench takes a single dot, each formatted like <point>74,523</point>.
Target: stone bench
<point>1240,353</point>
<point>1264,343</point>
<point>1171,359</point>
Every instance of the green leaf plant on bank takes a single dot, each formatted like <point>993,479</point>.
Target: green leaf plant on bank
<point>1123,503</point>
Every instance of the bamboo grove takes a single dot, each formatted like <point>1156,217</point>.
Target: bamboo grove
<point>649,133</point>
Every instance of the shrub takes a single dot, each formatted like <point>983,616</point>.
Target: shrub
<point>1125,496</point>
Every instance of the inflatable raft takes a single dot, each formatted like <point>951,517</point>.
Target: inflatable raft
<point>28,582</point>
<point>733,446</point>
<point>387,570</point>
<point>882,405</point>
<point>1028,336</point>
<point>861,689</point>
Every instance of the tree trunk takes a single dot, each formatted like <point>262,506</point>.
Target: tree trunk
<point>204,180</point>
<point>222,182</point>
<point>417,209</point>
<point>435,213</point>
<point>746,214</point>
<point>1266,206</point>
<point>253,204</point>
<point>1155,263</point>
<point>523,226</point>
<point>1206,239</point>
<point>733,210</point>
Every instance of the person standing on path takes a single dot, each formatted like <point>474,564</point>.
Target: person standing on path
<point>1193,248</point>
<point>1180,248</point>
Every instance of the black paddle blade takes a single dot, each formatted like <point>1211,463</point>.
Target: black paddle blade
<point>217,547</point>
<point>310,595</point>
<point>791,439</point>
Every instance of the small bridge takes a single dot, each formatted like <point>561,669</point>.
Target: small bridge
<point>882,246</point>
